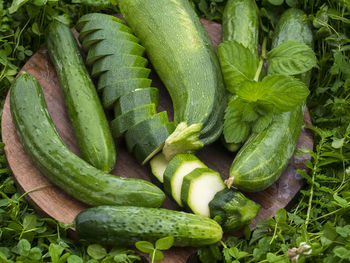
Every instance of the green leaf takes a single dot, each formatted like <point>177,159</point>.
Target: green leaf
<point>342,252</point>
<point>165,243</point>
<point>16,4</point>
<point>35,253</point>
<point>237,63</point>
<point>263,122</point>
<point>96,251</point>
<point>343,231</point>
<point>74,259</point>
<point>158,255</point>
<point>29,222</point>
<point>276,2</point>
<point>338,143</point>
<point>23,247</point>
<point>144,246</point>
<point>54,252</point>
<point>291,58</point>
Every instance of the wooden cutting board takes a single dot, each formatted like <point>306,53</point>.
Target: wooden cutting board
<point>53,202</point>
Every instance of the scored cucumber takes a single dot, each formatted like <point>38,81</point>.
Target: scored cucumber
<point>177,169</point>
<point>158,165</point>
<point>199,188</point>
<point>125,225</point>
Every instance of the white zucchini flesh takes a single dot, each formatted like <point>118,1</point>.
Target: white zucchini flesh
<point>199,188</point>
<point>158,165</point>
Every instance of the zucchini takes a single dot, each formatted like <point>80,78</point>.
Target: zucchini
<point>199,188</point>
<point>65,169</point>
<point>85,111</point>
<point>136,98</point>
<point>111,76</point>
<point>264,156</point>
<point>158,166</point>
<point>125,225</point>
<point>177,169</point>
<point>128,119</point>
<point>240,22</point>
<point>185,60</point>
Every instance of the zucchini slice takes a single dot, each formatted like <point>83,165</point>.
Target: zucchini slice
<point>124,73</point>
<point>158,165</point>
<point>125,121</point>
<point>99,17</point>
<point>199,188</point>
<point>180,166</point>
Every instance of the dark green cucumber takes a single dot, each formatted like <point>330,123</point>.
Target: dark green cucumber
<point>128,119</point>
<point>116,61</point>
<point>148,146</point>
<point>185,60</point>
<point>240,22</point>
<point>85,111</point>
<point>122,225</point>
<point>110,94</point>
<point>138,131</point>
<point>264,156</point>
<point>134,99</point>
<point>111,76</point>
<point>65,169</point>
<point>105,48</point>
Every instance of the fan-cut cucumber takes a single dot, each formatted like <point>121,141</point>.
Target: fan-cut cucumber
<point>158,165</point>
<point>180,166</point>
<point>100,35</point>
<point>136,99</point>
<point>135,133</point>
<point>125,121</point>
<point>114,75</point>
<point>150,145</point>
<point>99,17</point>
<point>116,61</point>
<point>113,92</point>
<point>106,47</point>
<point>199,187</point>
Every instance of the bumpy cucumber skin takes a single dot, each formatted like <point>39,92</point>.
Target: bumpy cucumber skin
<point>185,60</point>
<point>126,225</point>
<point>240,22</point>
<point>85,111</point>
<point>264,156</point>
<point>65,169</point>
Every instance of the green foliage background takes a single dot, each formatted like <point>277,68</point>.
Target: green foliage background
<point>315,229</point>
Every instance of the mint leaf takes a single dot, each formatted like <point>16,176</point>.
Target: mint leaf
<point>144,246</point>
<point>238,64</point>
<point>291,58</point>
<point>165,243</point>
<point>263,122</point>
<point>235,130</point>
<point>251,91</point>
<point>16,4</point>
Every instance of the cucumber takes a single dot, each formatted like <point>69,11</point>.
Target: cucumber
<point>240,22</point>
<point>114,75</point>
<point>152,143</point>
<point>125,121</point>
<point>158,165</point>
<point>65,169</point>
<point>136,98</point>
<point>199,188</point>
<point>107,47</point>
<point>125,225</point>
<point>185,61</point>
<point>85,111</point>
<point>116,61</point>
<point>138,131</point>
<point>111,93</point>
<point>178,168</point>
<point>264,156</point>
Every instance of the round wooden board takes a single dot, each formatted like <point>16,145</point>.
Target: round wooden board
<point>53,202</point>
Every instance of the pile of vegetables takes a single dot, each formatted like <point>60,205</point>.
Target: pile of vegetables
<point>184,176</point>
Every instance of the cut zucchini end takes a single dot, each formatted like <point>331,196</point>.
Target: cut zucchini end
<point>150,156</point>
<point>229,182</point>
<point>158,165</point>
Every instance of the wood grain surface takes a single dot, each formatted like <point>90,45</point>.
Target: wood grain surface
<point>53,202</point>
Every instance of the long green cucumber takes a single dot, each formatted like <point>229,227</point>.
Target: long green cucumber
<point>85,111</point>
<point>123,225</point>
<point>65,169</point>
<point>264,156</point>
<point>185,60</point>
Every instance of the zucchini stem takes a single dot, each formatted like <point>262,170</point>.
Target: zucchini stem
<point>261,61</point>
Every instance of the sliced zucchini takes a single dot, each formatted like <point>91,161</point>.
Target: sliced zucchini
<point>111,76</point>
<point>138,131</point>
<point>158,165</point>
<point>180,166</point>
<point>113,92</point>
<point>134,99</point>
<point>117,61</point>
<point>151,144</point>
<point>96,17</point>
<point>125,121</point>
<point>199,187</point>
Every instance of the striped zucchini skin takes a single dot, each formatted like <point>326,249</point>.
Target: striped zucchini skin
<point>85,111</point>
<point>240,22</point>
<point>183,56</point>
<point>65,169</point>
<point>264,156</point>
<point>122,225</point>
